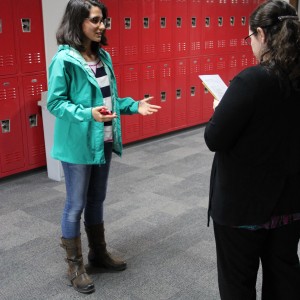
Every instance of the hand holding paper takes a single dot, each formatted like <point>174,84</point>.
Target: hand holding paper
<point>215,85</point>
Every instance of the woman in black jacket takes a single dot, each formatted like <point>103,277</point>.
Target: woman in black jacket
<point>255,179</point>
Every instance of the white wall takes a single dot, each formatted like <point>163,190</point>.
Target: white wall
<point>52,13</point>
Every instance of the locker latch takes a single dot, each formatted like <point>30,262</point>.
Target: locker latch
<point>178,94</point>
<point>207,21</point>
<point>146,96</point>
<point>232,21</point>
<point>127,23</point>
<point>220,21</point>
<point>5,126</point>
<point>193,91</point>
<point>108,23</point>
<point>0,25</point>
<point>163,96</point>
<point>178,22</point>
<point>243,21</point>
<point>194,22</point>
<point>26,25</point>
<point>146,22</point>
<point>33,121</point>
<point>163,22</point>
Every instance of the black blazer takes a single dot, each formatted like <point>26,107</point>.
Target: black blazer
<point>255,133</point>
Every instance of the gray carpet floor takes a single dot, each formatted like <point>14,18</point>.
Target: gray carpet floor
<point>155,218</point>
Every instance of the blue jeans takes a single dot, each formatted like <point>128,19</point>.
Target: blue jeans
<point>86,187</point>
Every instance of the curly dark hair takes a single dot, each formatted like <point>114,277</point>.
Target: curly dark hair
<point>281,26</point>
<point>70,30</point>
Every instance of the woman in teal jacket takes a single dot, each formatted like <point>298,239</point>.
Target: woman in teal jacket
<point>83,97</point>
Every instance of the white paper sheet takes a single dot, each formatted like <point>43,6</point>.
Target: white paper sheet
<point>215,85</point>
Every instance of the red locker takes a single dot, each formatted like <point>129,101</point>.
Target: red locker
<point>180,93</point>
<point>149,88</point>
<point>246,60</point>
<point>164,28</point>
<point>210,26</point>
<point>165,89</point>
<point>30,36</point>
<point>222,15</point>
<point>147,30</point>
<point>112,30</point>
<point>33,86</point>
<point>8,63</point>
<point>129,30</point>
<point>234,19</point>
<point>233,66</point>
<point>130,88</point>
<point>194,97</point>
<point>195,27</point>
<point>244,8</point>
<point>180,28</point>
<point>208,66</point>
<point>12,156</point>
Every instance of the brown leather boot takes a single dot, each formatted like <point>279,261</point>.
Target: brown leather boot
<point>98,255</point>
<point>77,274</point>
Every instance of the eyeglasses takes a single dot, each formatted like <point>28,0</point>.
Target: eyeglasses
<point>247,38</point>
<point>98,20</point>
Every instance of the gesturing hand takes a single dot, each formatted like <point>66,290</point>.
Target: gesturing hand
<point>101,114</point>
<point>146,108</point>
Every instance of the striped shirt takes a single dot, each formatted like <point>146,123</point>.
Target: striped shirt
<point>103,81</point>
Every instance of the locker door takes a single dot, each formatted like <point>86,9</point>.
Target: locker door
<point>234,20</point>
<point>149,88</point>
<point>147,30</point>
<point>221,68</point>
<point>244,8</point>
<point>165,117</point>
<point>33,86</point>
<point>208,66</point>
<point>209,24</point>
<point>164,29</point>
<point>233,66</point>
<point>129,37</point>
<point>195,27</point>
<point>180,92</point>
<point>112,30</point>
<point>194,97</point>
<point>12,156</point>
<point>180,28</point>
<point>130,88</point>
<point>30,36</point>
<point>8,64</point>
<point>223,25</point>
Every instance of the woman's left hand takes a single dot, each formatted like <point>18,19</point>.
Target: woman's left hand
<point>146,108</point>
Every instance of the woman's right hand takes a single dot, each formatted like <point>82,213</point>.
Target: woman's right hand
<point>102,117</point>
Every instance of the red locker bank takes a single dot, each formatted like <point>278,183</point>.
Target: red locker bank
<point>22,79</point>
<point>158,48</point>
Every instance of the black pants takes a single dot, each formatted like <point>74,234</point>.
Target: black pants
<point>238,255</point>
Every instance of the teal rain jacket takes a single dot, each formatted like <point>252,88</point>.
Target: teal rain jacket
<point>72,93</point>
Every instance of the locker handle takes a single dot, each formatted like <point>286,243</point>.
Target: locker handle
<point>5,126</point>
<point>108,23</point>
<point>0,25</point>
<point>163,96</point>
<point>194,22</point>
<point>232,21</point>
<point>33,121</point>
<point>127,22</point>
<point>146,23</point>
<point>6,83</point>
<point>146,96</point>
<point>207,21</point>
<point>163,22</point>
<point>243,21</point>
<point>220,21</point>
<point>26,25</point>
<point>178,22</point>
<point>193,91</point>
<point>178,94</point>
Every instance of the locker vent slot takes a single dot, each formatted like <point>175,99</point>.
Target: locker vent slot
<point>32,58</point>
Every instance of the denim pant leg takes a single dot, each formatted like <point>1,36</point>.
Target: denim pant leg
<point>93,213</point>
<point>77,179</point>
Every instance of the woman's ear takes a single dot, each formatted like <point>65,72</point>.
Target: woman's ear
<point>261,35</point>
